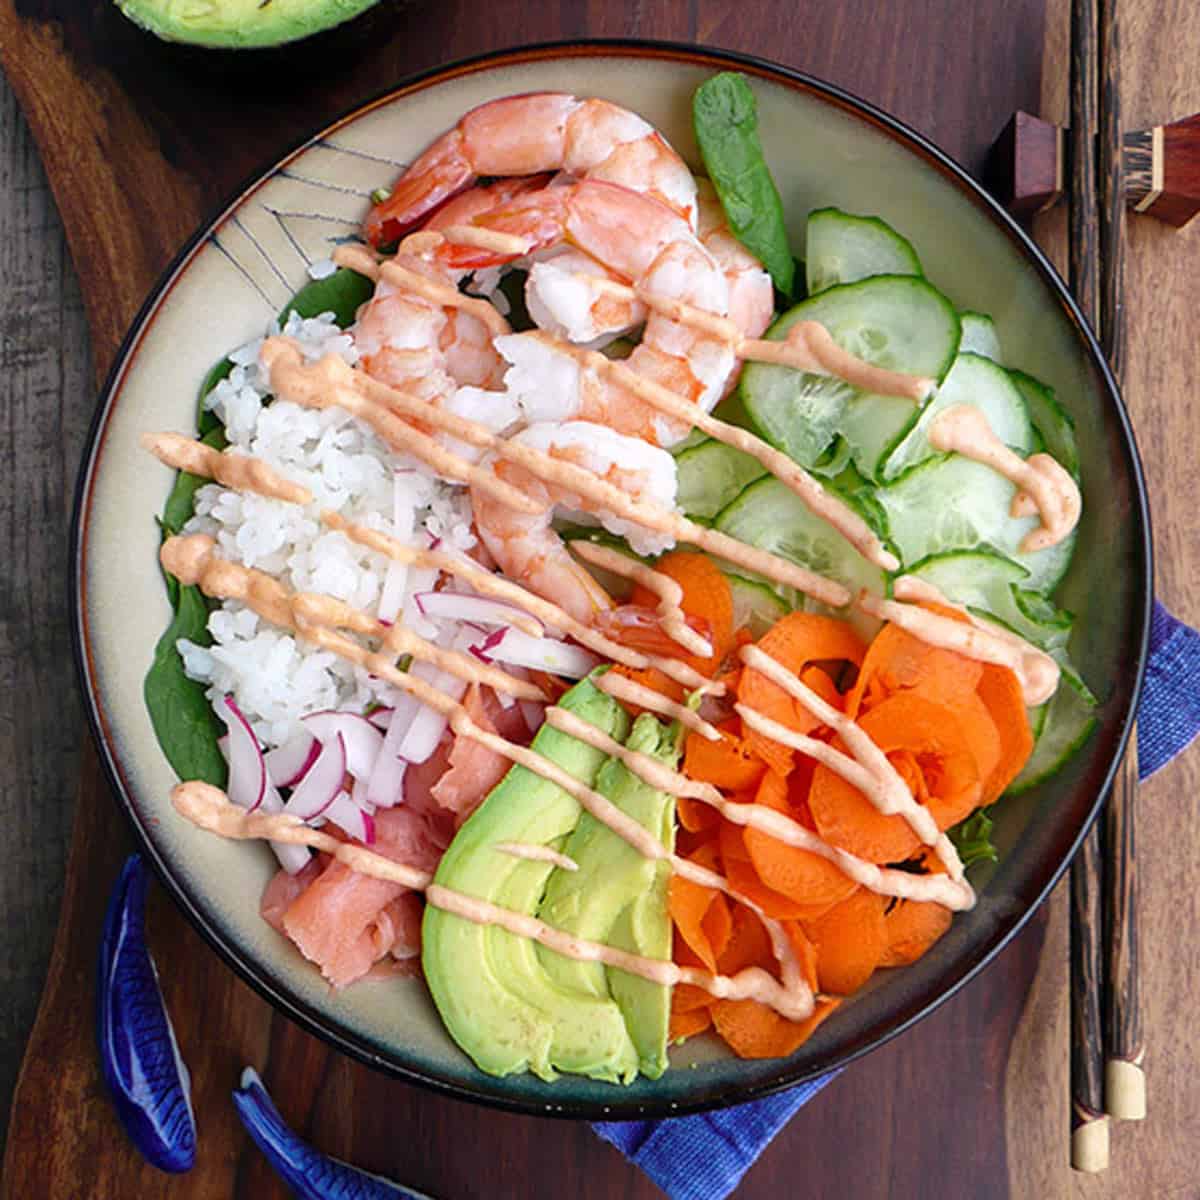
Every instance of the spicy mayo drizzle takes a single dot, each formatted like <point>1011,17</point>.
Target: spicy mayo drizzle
<point>668,591</point>
<point>1045,486</point>
<point>1036,671</point>
<point>332,382</point>
<point>241,472</point>
<point>191,558</point>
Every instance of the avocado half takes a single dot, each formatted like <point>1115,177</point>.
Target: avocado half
<point>240,24</point>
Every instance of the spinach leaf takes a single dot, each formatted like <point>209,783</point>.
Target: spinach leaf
<point>725,118</point>
<point>340,293</point>
<point>181,502</point>
<point>972,839</point>
<point>206,419</point>
<point>184,723</point>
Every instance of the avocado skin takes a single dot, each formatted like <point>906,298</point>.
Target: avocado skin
<point>263,26</point>
<point>491,988</point>
<point>620,897</point>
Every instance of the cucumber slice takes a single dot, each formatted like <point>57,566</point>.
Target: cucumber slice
<point>769,515</point>
<point>979,336</point>
<point>991,587</point>
<point>711,476</point>
<point>755,606</point>
<point>842,248</point>
<point>980,383</point>
<point>894,321</point>
<point>1052,421</point>
<point>1069,721</point>
<point>952,503</point>
<point>834,461</point>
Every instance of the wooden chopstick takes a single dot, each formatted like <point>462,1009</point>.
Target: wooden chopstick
<point>1124,1079</point>
<point>1106,1032</point>
<point>1089,1122</point>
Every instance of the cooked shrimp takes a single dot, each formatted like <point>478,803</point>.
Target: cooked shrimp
<point>530,134</point>
<point>445,356</point>
<point>751,293</point>
<point>562,300</point>
<point>527,548</point>
<point>640,240</point>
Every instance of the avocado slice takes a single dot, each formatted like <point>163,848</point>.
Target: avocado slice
<point>491,988</point>
<point>240,24</point>
<point>620,897</point>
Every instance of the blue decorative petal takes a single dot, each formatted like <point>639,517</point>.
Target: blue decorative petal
<point>138,1052</point>
<point>309,1174</point>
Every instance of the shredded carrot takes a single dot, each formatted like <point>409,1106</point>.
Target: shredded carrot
<point>688,1024</point>
<point>749,945</point>
<point>850,938</point>
<point>1000,693</point>
<point>753,1030</point>
<point>739,870</point>
<point>696,816</point>
<point>729,764</point>
<point>800,875</point>
<point>898,661</point>
<point>796,641</point>
<point>686,998</point>
<point>689,904</point>
<point>906,721</point>
<point>706,595</point>
<point>718,925</point>
<point>912,927</point>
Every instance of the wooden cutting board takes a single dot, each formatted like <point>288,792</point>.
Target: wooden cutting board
<point>140,144</point>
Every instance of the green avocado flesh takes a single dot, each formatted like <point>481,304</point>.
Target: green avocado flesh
<point>513,1005</point>
<point>240,24</point>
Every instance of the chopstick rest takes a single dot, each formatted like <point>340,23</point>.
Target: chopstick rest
<point>139,1055</point>
<point>308,1172</point>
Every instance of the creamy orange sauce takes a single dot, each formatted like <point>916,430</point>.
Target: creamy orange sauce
<point>332,382</point>
<point>818,501</point>
<point>807,347</point>
<point>1035,670</point>
<point>1046,486</point>
<point>941,889</point>
<point>192,559</point>
<point>887,790</point>
<point>669,592</point>
<point>536,853</point>
<point>444,295</point>
<point>500,588</point>
<point>238,471</point>
<point>310,388</point>
<point>629,691</point>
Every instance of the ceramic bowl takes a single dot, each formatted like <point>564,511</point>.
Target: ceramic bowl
<point>825,148</point>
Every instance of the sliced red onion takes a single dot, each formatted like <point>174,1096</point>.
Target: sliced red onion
<point>423,735</point>
<point>323,781</point>
<point>381,718</point>
<point>420,580</point>
<point>361,739</point>
<point>359,795</point>
<point>223,746</point>
<point>247,767</point>
<point>346,815</point>
<point>385,788</point>
<point>458,606</point>
<point>288,764</point>
<point>542,654</point>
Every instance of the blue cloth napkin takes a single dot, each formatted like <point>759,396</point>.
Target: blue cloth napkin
<point>704,1157</point>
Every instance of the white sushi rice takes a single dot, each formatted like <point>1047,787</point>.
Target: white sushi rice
<point>275,677</point>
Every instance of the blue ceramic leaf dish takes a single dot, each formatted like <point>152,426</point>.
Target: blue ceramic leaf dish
<point>139,1055</point>
<point>309,1173</point>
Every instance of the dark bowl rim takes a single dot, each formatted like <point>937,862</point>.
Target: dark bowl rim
<point>295,1008</point>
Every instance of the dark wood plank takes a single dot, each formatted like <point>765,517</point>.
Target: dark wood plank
<point>109,106</point>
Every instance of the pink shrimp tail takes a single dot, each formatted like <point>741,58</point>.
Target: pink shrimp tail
<point>440,173</point>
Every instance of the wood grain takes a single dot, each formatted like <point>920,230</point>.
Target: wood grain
<point>1152,1158</point>
<point>108,108</point>
<point>47,400</point>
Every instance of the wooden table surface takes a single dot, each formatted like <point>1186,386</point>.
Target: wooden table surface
<point>971,1103</point>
